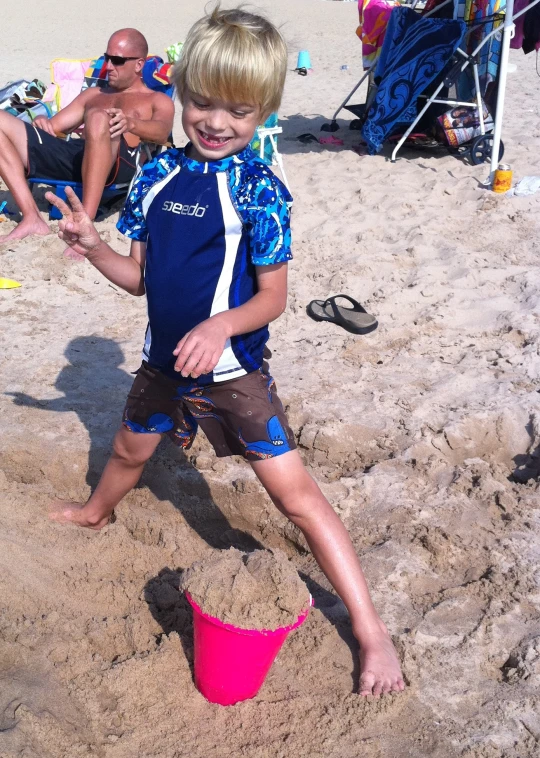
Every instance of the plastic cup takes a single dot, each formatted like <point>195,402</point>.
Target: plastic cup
<point>231,663</point>
<point>303,60</point>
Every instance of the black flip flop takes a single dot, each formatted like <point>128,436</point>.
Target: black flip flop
<point>306,138</point>
<point>356,319</point>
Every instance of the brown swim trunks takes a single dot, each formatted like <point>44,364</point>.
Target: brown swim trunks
<point>240,417</point>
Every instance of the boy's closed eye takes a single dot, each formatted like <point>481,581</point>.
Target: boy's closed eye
<point>199,104</point>
<point>238,110</point>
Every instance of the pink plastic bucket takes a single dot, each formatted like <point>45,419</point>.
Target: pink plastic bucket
<point>231,663</point>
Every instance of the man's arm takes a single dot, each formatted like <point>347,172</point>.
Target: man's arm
<point>201,348</point>
<point>156,129</point>
<point>69,118</point>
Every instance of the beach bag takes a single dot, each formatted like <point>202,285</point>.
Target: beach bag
<point>32,111</point>
<point>10,89</point>
<point>462,124</point>
<point>18,96</point>
<point>25,102</point>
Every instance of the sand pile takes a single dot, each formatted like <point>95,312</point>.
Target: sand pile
<point>259,590</point>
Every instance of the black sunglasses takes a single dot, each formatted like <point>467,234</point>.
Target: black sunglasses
<point>118,60</point>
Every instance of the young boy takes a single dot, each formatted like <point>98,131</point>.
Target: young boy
<point>210,235</point>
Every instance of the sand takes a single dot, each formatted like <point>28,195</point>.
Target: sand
<point>424,435</point>
<point>257,590</point>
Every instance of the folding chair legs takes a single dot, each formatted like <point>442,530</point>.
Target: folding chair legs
<point>416,120</point>
<point>333,125</point>
<point>279,160</point>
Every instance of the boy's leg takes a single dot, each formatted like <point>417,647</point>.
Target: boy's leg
<point>299,498</point>
<point>121,474</point>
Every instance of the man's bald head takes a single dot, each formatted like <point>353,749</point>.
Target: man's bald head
<point>131,42</point>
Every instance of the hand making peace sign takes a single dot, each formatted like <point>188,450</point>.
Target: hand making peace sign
<point>76,227</point>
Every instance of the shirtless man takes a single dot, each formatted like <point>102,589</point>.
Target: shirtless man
<point>115,119</point>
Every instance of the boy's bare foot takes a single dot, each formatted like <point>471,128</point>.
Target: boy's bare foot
<point>380,670</point>
<point>65,512</point>
<point>26,228</point>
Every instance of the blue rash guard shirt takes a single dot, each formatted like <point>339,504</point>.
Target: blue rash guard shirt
<point>206,227</point>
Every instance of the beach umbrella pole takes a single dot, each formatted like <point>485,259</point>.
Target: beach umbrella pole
<point>508,33</point>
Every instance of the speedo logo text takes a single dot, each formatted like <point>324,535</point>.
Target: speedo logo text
<point>184,210</point>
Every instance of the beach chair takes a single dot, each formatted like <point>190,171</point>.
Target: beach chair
<point>265,144</point>
<point>71,77</point>
<point>425,56</point>
<point>462,121</point>
<point>67,80</point>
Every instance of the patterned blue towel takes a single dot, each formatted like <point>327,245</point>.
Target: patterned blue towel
<point>415,52</point>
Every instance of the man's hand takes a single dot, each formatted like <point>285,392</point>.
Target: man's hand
<point>119,123</point>
<point>42,122</point>
<point>200,349</point>
<point>76,227</point>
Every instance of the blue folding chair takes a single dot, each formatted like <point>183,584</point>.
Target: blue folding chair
<point>110,194</point>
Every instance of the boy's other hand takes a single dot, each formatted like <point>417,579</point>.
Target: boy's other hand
<point>200,349</point>
<point>76,227</point>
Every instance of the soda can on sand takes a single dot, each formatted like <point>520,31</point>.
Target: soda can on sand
<point>502,181</point>
<point>231,663</point>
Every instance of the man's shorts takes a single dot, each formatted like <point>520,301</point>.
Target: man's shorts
<point>240,417</point>
<point>54,158</point>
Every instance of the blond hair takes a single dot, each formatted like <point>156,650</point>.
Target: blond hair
<point>234,56</point>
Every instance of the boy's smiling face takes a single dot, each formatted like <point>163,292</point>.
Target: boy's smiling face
<point>217,128</point>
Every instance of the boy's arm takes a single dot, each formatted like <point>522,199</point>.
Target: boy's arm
<point>125,271</point>
<point>200,349</point>
<point>78,231</point>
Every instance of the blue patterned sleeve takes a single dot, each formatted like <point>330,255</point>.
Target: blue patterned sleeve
<point>132,221</point>
<point>265,206</point>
